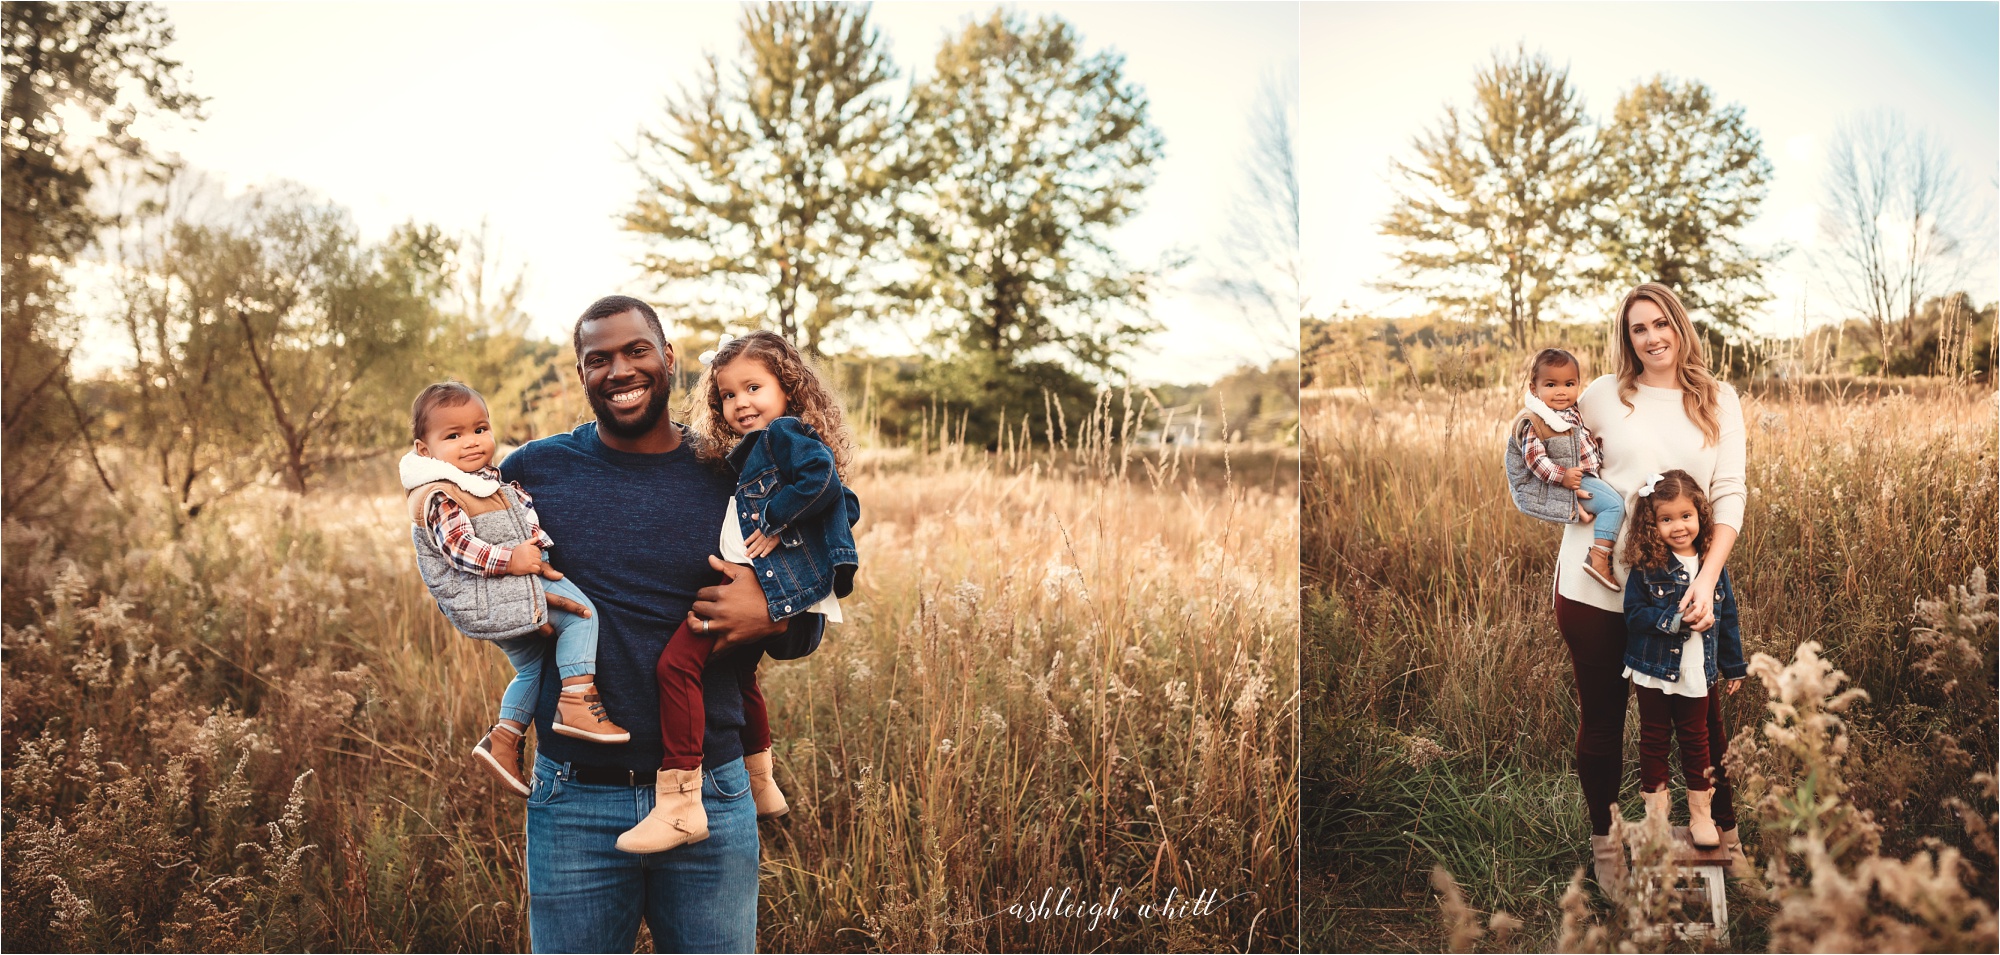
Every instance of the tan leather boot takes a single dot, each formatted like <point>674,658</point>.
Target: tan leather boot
<point>1598,566</point>
<point>1659,810</point>
<point>1730,840</point>
<point>502,752</point>
<point>1607,864</point>
<point>764,787</point>
<point>581,714</point>
<point>677,818</point>
<point>1701,827</point>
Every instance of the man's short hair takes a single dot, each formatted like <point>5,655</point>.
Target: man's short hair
<point>611,305</point>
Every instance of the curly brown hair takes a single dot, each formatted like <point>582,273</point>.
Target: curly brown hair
<point>807,398</point>
<point>1644,546</point>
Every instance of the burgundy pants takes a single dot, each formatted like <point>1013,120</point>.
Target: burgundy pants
<point>1596,640</point>
<point>1662,717</point>
<point>683,719</point>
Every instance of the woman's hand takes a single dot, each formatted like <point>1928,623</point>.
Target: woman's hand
<point>1735,685</point>
<point>1698,606</point>
<point>759,546</point>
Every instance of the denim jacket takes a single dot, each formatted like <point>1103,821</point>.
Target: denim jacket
<point>1652,603</point>
<point>787,487</point>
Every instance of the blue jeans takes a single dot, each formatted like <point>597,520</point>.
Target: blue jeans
<point>576,653</point>
<point>586,896</point>
<point>1605,505</point>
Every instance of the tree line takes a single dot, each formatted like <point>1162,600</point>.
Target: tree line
<point>801,187</point>
<point>1518,208</point>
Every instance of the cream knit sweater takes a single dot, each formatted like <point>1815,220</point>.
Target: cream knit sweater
<point>1652,436</point>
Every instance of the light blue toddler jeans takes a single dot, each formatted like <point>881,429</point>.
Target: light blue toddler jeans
<point>576,653</point>
<point>586,896</point>
<point>1605,506</point>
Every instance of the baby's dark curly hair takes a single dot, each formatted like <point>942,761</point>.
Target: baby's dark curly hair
<point>807,398</point>
<point>1644,546</point>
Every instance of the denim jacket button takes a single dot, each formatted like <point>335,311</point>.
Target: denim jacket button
<point>788,608</point>
<point>770,573</point>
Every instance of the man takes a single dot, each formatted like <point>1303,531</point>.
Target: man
<point>637,518</point>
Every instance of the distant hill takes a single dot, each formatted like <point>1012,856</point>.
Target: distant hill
<point>1258,404</point>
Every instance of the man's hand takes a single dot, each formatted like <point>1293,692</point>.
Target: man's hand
<point>757,545</point>
<point>559,602</point>
<point>733,612</point>
<point>1573,479</point>
<point>526,560</point>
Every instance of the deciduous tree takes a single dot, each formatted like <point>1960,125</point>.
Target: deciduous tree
<point>1262,269</point>
<point>105,63</point>
<point>1028,152</point>
<point>1894,215</point>
<point>1495,209</point>
<point>1680,176</point>
<point>769,188</point>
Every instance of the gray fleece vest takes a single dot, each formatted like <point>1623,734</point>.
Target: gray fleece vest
<point>1535,497</point>
<point>481,607</point>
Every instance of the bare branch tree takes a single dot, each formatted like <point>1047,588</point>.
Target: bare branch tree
<point>1895,214</point>
<point>1261,269</point>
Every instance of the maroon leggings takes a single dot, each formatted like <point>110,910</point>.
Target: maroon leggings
<point>683,720</point>
<point>1662,717</point>
<point>1596,640</point>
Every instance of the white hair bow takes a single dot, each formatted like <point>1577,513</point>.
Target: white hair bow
<point>1651,483</point>
<point>709,355</point>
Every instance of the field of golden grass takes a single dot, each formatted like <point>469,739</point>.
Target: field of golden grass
<point>1438,716</point>
<point>251,733</point>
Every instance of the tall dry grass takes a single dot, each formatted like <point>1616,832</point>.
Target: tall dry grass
<point>1438,716</point>
<point>254,736</point>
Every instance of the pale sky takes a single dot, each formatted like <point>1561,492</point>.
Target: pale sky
<point>519,114</point>
<point>1798,69</point>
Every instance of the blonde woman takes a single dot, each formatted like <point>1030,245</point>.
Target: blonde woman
<point>1662,410</point>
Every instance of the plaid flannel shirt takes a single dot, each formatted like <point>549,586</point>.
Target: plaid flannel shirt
<point>1536,456</point>
<point>452,529</point>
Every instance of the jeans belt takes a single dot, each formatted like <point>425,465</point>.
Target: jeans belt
<point>611,775</point>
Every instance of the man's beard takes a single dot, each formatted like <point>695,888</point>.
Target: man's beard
<point>656,406</point>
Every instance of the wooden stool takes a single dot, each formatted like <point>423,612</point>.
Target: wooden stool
<point>1711,867</point>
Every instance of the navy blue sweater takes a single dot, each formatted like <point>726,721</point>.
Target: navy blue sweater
<point>634,531</point>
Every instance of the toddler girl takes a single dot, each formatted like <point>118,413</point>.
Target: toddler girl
<point>479,549</point>
<point>1552,460</point>
<point>760,406</point>
<point>1673,670</point>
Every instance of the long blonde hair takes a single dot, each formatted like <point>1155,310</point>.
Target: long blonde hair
<point>1700,392</point>
<point>807,398</point>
